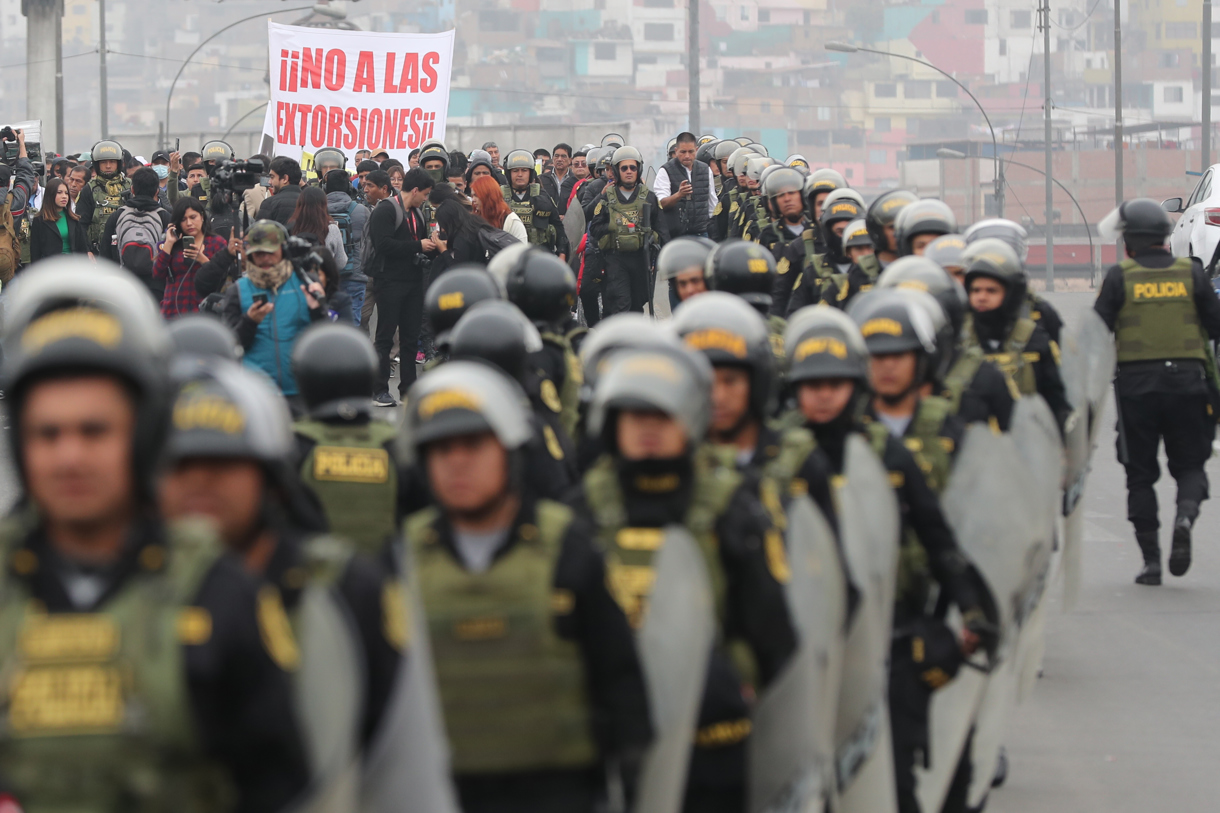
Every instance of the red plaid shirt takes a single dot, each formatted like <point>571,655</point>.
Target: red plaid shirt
<point>179,275</point>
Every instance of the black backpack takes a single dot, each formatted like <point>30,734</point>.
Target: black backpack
<point>344,222</point>
<point>494,241</point>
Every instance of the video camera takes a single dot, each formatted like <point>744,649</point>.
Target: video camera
<point>238,176</point>
<point>305,259</point>
<point>8,142</point>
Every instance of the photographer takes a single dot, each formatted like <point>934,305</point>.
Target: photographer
<point>21,190</point>
<point>271,304</point>
<point>285,189</point>
<point>190,252</point>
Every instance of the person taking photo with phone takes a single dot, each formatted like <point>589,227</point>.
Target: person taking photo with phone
<point>189,248</point>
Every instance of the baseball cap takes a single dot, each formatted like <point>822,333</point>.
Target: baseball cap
<point>265,235</point>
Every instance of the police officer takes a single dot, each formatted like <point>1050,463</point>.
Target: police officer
<point>921,223</point>
<point>755,214</point>
<point>1014,234</point>
<point>881,219</point>
<point>946,251</point>
<point>829,373</point>
<point>539,679</point>
<point>974,387</point>
<point>736,342</point>
<point>1163,313</point>
<point>346,454</point>
<point>434,159</point>
<point>799,257</point>
<point>104,193</point>
<point>747,270</point>
<point>327,159</point>
<point>200,335</point>
<point>651,409</point>
<point>230,455</point>
<point>781,190</point>
<point>543,225</point>
<point>999,326</point>
<point>626,226</point>
<point>449,297</point>
<point>856,249</point>
<point>142,665</point>
<point>840,277</point>
<point>681,263</point>
<point>740,195</point>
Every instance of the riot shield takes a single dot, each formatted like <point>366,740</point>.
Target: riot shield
<point>574,227</point>
<point>330,698</point>
<point>869,529</point>
<point>987,505</point>
<point>650,177</point>
<point>406,767</point>
<point>791,746</point>
<point>674,644</point>
<point>1087,365</point>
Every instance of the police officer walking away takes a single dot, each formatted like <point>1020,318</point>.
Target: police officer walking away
<point>140,662</point>
<point>536,665</point>
<point>1163,312</point>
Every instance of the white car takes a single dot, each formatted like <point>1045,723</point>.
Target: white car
<point>1197,232</point>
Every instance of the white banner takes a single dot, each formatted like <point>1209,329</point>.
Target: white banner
<point>356,90</point>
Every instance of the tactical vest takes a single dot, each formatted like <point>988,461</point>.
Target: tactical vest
<point>776,325</point>
<point>107,198</point>
<point>815,271</point>
<point>958,379</point>
<point>354,477</point>
<point>573,380</point>
<point>513,692</point>
<point>795,446</point>
<point>1012,360</point>
<point>541,233</point>
<point>630,223</point>
<point>1158,319</point>
<point>689,216</point>
<point>98,714</point>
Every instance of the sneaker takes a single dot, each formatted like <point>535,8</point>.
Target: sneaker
<point>385,400</point>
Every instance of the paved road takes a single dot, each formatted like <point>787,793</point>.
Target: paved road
<point>1127,714</point>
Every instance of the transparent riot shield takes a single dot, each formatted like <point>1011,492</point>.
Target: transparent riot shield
<point>406,767</point>
<point>791,746</point>
<point>869,528</point>
<point>990,512</point>
<point>675,643</point>
<point>574,227</point>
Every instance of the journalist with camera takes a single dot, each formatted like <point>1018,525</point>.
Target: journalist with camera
<point>17,176</point>
<point>276,298</point>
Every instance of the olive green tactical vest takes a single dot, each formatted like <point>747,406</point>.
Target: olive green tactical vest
<point>628,229</point>
<point>538,234</point>
<point>776,325</point>
<point>513,691</point>
<point>795,446</point>
<point>1012,360</point>
<point>573,380</point>
<point>107,198</point>
<point>1158,319</point>
<point>354,477</point>
<point>958,379</point>
<point>97,712</point>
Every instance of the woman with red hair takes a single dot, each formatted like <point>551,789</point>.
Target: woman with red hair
<point>494,209</point>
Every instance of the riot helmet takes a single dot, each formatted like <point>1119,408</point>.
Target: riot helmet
<point>821,182</point>
<point>105,151</point>
<point>670,146</point>
<point>336,370</point>
<point>923,274</point>
<point>627,154</point>
<point>855,235</point>
<point>69,314</point>
<point>891,323</point>
<point>744,141</point>
<point>824,343</point>
<point>622,330</point>
<point>683,254</point>
<point>844,193</point>
<point>840,211</point>
<point>670,379</point>
<point>436,152</point>
<point>759,149</point>
<point>796,161</point>
<point>1141,222</point>
<point>929,216</point>
<point>946,251</point>
<point>519,159</point>
<point>883,213</point>
<point>216,153</point>
<point>200,335</point>
<point>705,151</point>
<point>743,268</point>
<point>707,139</point>
<point>994,258</point>
<point>542,286</point>
<point>737,160</point>
<point>453,293</point>
<point>780,180</point>
<point>755,166</point>
<point>730,333</point>
<point>327,159</point>
<point>498,333</point>
<point>604,160</point>
<point>591,159</point>
<point>613,141</point>
<point>1010,232</point>
<point>722,152</point>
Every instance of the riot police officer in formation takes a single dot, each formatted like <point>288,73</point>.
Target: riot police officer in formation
<point>715,562</point>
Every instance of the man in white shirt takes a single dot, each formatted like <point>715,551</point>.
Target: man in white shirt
<point>688,204</point>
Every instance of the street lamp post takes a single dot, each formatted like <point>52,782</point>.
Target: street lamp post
<point>848,48</point>
<point>944,152</point>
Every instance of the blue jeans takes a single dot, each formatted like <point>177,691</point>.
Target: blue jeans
<point>356,291</point>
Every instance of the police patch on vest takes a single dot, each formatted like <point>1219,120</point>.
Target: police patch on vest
<point>351,465</point>
<point>820,344</point>
<point>717,339</point>
<point>69,637</point>
<point>549,395</point>
<point>1160,290</point>
<point>72,323</point>
<point>486,628</point>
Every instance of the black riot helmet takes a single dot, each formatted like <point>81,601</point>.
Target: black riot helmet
<point>682,254</point>
<point>732,334</point>
<point>542,286</point>
<point>856,235</point>
<point>923,274</point>
<point>69,315</point>
<point>705,151</point>
<point>1141,222</point>
<point>884,212</point>
<point>197,334</point>
<point>453,293</point>
<point>946,251</point>
<point>838,211</point>
<point>891,322</point>
<point>336,369</point>
<point>743,268</point>
<point>929,216</point>
<point>821,182</point>
<point>994,258</point>
<point>822,343</point>
<point>498,333</point>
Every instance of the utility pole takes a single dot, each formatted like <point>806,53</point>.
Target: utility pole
<point>692,68</point>
<point>1118,104</point>
<point>44,68</point>
<point>1046,109</point>
<point>101,52</point>
<point>1207,85</point>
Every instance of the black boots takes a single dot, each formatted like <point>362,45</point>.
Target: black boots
<point>1151,573</point>
<point>1179,553</point>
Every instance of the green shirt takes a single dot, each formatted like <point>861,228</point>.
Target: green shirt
<point>62,225</point>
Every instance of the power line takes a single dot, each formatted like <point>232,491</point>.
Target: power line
<point>1079,24</point>
<point>52,59</point>
<point>173,59</point>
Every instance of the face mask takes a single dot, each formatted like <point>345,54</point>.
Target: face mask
<point>162,171</point>
<point>437,175</point>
